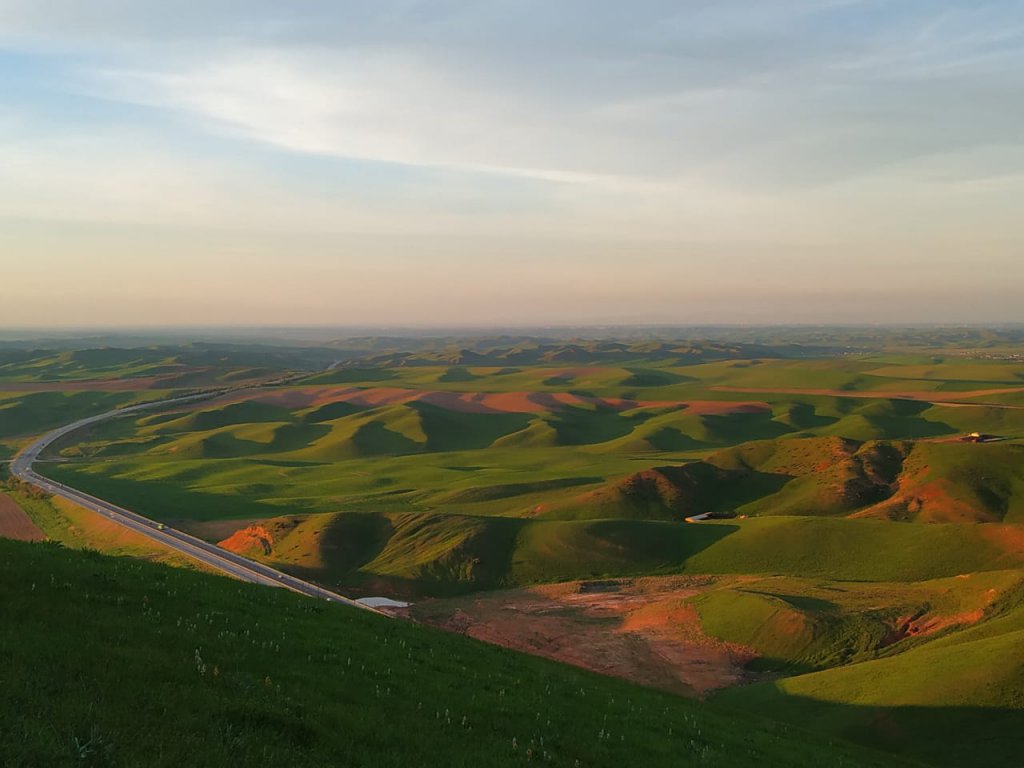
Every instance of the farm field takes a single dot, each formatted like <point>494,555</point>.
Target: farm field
<point>15,523</point>
<point>537,501</point>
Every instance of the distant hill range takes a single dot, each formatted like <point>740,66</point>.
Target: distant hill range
<point>532,351</point>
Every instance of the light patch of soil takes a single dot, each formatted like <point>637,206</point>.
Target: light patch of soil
<point>923,623</point>
<point>642,630</point>
<point>15,524</point>
<point>252,539</point>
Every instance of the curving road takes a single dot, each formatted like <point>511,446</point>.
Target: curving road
<point>203,551</point>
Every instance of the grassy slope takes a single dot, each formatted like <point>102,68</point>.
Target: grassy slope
<point>949,693</point>
<point>897,480</point>
<point>951,702</point>
<point>75,527</point>
<point>30,413</point>
<point>257,462</point>
<point>251,675</point>
<point>420,553</point>
<point>798,624</point>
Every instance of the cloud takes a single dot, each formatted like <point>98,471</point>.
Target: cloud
<point>802,141</point>
<point>716,94</point>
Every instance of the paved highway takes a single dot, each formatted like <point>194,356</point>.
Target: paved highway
<point>203,551</point>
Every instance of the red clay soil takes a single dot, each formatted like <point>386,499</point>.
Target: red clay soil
<point>923,624</point>
<point>254,539</point>
<point>15,524</point>
<point>642,630</point>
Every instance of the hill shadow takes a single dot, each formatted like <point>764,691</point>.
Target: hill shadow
<point>653,377</point>
<point>945,737</point>
<point>165,499</point>
<point>458,373</point>
<point>354,539</point>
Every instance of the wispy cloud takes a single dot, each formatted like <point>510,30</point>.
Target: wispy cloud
<point>685,136</point>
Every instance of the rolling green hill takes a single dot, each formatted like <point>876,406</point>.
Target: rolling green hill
<point>416,553</point>
<point>447,466</point>
<point>112,661</point>
<point>951,701</point>
<point>893,480</point>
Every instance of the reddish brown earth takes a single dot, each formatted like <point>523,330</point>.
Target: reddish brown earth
<point>254,539</point>
<point>930,502</point>
<point>923,623</point>
<point>15,524</point>
<point>641,630</point>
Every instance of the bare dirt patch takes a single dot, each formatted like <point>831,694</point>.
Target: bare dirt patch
<point>926,623</point>
<point>253,539</point>
<point>15,524</point>
<point>642,630</point>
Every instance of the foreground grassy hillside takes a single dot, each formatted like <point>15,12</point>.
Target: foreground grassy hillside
<point>953,701</point>
<point>116,662</point>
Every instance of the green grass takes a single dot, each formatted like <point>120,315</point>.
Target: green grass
<point>413,498</point>
<point>448,430</point>
<point>786,633</point>
<point>895,480</point>
<point>34,412</point>
<point>424,553</point>
<point>951,702</point>
<point>547,551</point>
<point>181,365</point>
<point>857,550</point>
<point>255,676</point>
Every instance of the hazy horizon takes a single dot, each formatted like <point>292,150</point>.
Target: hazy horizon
<point>411,164</point>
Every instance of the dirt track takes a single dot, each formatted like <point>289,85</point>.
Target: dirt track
<point>15,524</point>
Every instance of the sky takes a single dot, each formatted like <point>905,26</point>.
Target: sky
<point>510,162</point>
